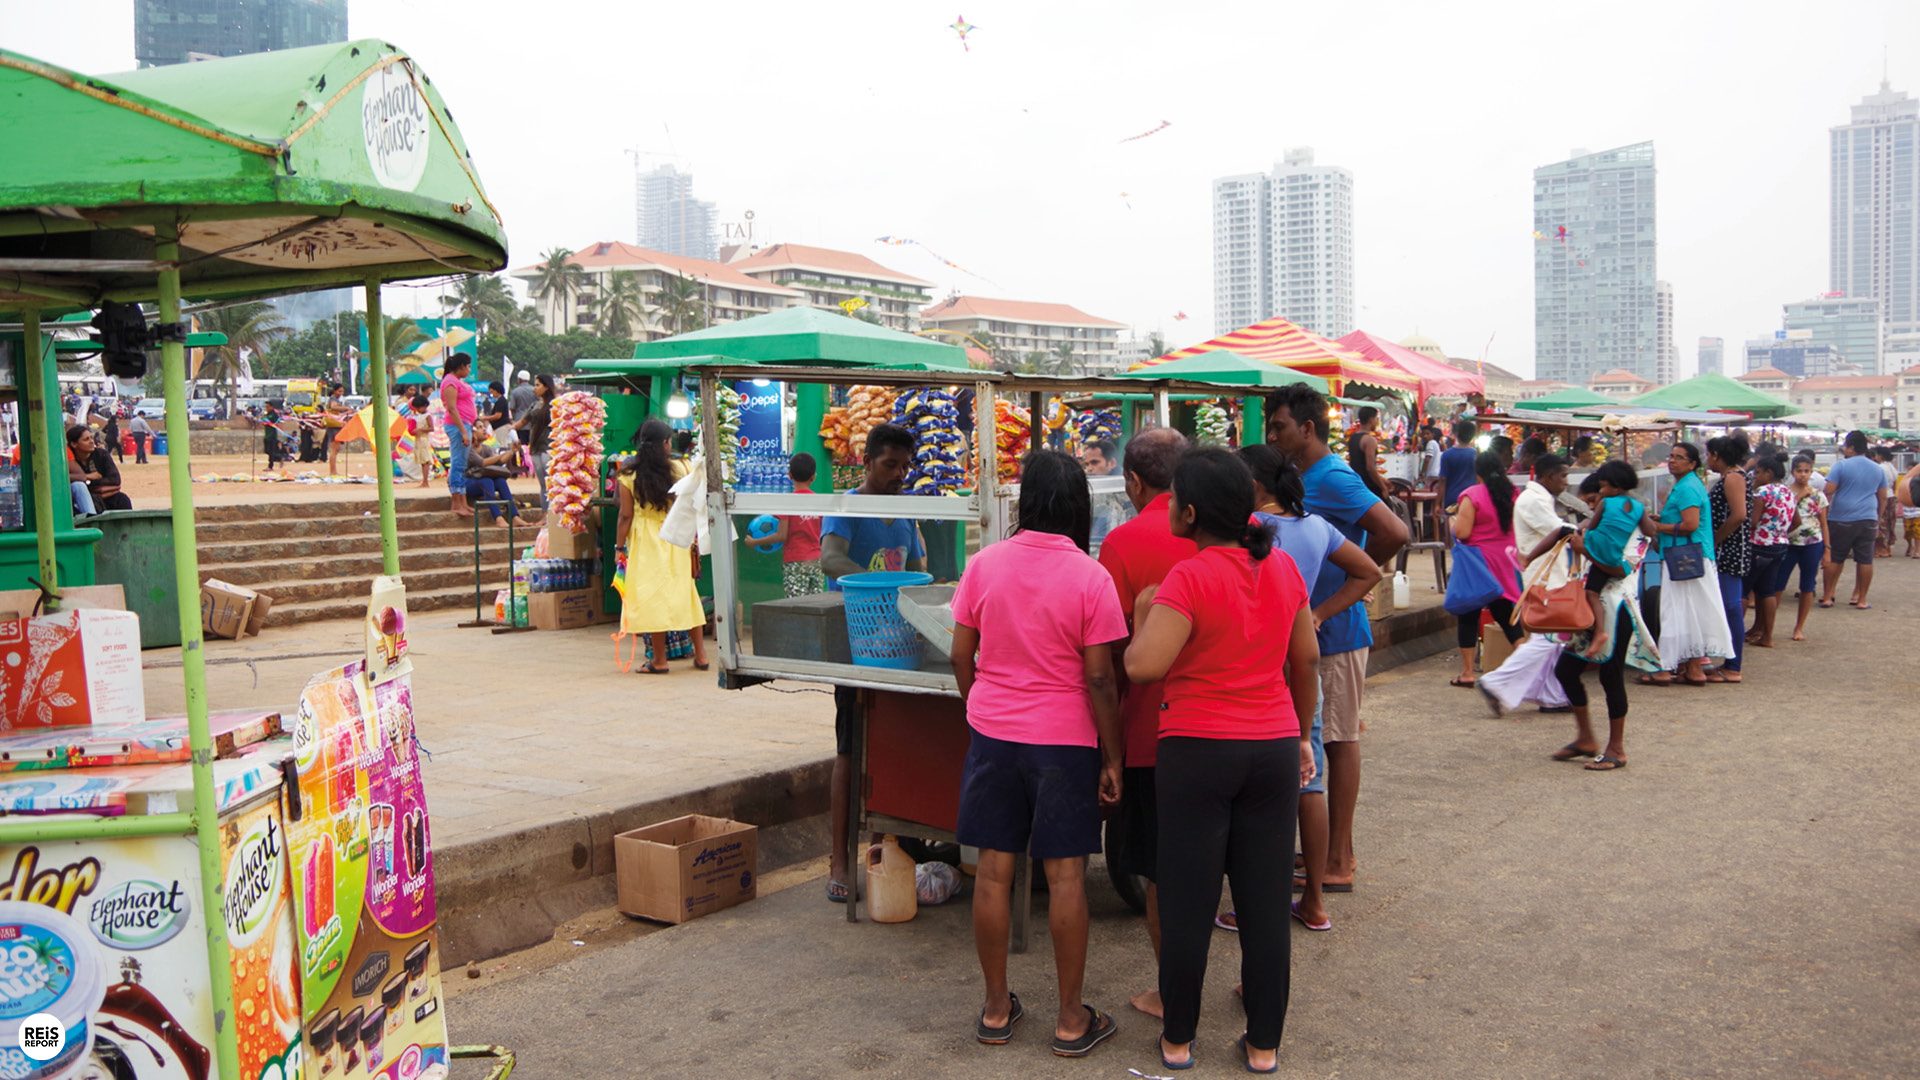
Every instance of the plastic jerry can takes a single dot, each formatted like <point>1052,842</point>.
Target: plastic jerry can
<point>891,895</point>
<point>1402,591</point>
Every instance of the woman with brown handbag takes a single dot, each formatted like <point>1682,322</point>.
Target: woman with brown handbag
<point>1539,532</point>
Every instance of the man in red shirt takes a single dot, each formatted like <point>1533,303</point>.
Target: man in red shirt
<point>1138,554</point>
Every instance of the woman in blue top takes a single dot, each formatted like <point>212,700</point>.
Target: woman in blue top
<point>1311,541</point>
<point>1693,623</point>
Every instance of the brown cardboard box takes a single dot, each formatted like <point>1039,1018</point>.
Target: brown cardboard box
<point>1494,649</point>
<point>597,601</point>
<point>565,544</point>
<point>560,610</point>
<point>257,618</point>
<point>225,609</point>
<point>685,868</point>
<point>72,598</point>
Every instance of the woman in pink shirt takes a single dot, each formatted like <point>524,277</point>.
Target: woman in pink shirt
<point>457,396</point>
<point>1035,618</point>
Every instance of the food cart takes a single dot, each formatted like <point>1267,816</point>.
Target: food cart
<point>231,179</point>
<point>912,733</point>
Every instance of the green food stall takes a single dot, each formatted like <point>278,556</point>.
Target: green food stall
<point>230,179</point>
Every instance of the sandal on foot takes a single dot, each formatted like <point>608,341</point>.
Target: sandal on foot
<point>698,666</point>
<point>1227,920</point>
<point>648,669</point>
<point>1322,925</point>
<point>1652,680</point>
<point>1719,676</point>
<point>1571,752</point>
<point>1100,1028</point>
<point>1823,603</point>
<point>1467,684</point>
<point>1606,763</point>
<point>999,1036</point>
<point>836,891</point>
<point>1246,1059</point>
<point>1177,1066</point>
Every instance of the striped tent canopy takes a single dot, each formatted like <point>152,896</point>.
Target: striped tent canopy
<point>1277,341</point>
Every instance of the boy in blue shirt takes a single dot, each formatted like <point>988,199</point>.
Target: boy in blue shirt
<point>1603,539</point>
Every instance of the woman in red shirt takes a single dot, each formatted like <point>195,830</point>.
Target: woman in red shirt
<point>1231,634</point>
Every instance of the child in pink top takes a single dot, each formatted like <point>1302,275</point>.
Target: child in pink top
<point>1034,621</point>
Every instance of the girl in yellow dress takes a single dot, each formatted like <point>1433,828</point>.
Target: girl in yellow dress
<point>659,591</point>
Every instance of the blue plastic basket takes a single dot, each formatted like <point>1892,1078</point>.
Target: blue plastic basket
<point>877,636</point>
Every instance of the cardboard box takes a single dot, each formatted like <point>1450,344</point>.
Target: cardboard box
<point>71,667</point>
<point>225,609</point>
<point>685,868</point>
<point>560,610</point>
<point>257,618</point>
<point>1494,649</point>
<point>20,602</point>
<point>565,544</point>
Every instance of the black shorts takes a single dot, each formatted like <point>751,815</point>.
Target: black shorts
<point>1853,539</point>
<point>846,713</point>
<point>1136,826</point>
<point>1597,578</point>
<point>1020,797</point>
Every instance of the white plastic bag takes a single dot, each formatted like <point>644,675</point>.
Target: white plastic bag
<point>935,882</point>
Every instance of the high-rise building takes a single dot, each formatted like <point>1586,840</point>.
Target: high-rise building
<point>1875,213</point>
<point>1283,245</point>
<point>1799,358</point>
<point>1709,355</point>
<point>176,31</point>
<point>668,218</point>
<point>1851,324</point>
<point>1594,307</point>
<point>1666,356</point>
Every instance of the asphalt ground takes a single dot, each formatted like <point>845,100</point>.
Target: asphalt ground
<point>1740,901</point>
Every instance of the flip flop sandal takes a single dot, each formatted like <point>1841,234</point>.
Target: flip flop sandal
<point>836,891</point>
<point>1457,684</point>
<point>1604,763</point>
<point>1823,603</point>
<point>1648,680</point>
<point>1319,927</point>
<point>1247,1061</point>
<point>1570,752</point>
<point>1227,920</point>
<point>999,1036</point>
<point>1100,1028</point>
<point>1177,1066</point>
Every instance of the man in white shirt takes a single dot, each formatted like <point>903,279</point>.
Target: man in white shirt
<point>1538,517</point>
<point>1430,453</point>
<point>1527,674</point>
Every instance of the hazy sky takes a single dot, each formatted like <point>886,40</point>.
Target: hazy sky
<point>836,123</point>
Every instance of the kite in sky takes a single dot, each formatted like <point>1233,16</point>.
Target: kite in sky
<point>1128,199</point>
<point>962,27</point>
<point>1164,124</point>
<point>902,241</point>
<point>1179,316</point>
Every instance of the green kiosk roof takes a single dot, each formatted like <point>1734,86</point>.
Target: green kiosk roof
<point>1713,391</point>
<point>284,171</point>
<point>1573,397</point>
<point>796,335</point>
<point>1228,368</point>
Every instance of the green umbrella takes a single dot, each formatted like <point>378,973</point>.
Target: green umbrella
<point>1227,368</point>
<point>1571,398</point>
<point>1714,391</point>
<point>800,335</point>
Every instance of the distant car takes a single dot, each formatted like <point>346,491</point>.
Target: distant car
<point>357,403</point>
<point>202,409</point>
<point>153,408</point>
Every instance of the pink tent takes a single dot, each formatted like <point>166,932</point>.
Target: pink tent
<point>1436,377</point>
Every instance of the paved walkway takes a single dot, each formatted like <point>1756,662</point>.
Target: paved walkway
<point>1738,902</point>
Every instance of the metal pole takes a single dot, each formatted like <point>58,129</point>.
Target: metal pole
<point>41,445</point>
<point>382,433</point>
<point>193,659</point>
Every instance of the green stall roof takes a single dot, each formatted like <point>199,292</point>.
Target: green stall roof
<point>804,335</point>
<point>1227,368</point>
<point>1713,391</point>
<point>291,170</point>
<point>1573,397</point>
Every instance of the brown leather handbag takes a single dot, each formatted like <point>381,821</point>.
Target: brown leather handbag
<point>1562,609</point>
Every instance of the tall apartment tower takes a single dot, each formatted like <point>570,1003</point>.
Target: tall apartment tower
<point>1594,305</point>
<point>1666,356</point>
<point>668,218</point>
<point>1711,354</point>
<point>176,31</point>
<point>1283,245</point>
<point>1875,222</point>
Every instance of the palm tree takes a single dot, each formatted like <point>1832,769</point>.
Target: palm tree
<point>250,328</point>
<point>1032,363</point>
<point>558,280</point>
<point>401,336</point>
<point>983,337</point>
<point>681,305</point>
<point>623,305</point>
<point>1063,359</point>
<point>1156,344</point>
<point>484,299</point>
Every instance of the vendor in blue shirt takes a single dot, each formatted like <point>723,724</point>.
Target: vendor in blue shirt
<point>1456,465</point>
<point>1297,427</point>
<point>855,545</point>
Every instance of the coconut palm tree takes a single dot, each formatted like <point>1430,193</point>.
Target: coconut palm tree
<point>623,305</point>
<point>557,280</point>
<point>483,298</point>
<point>681,305</point>
<point>250,328</point>
<point>1156,344</point>
<point>1063,359</point>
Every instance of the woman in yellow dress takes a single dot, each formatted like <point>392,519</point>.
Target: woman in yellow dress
<point>659,593</point>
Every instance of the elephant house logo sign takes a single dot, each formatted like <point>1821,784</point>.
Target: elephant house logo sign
<point>394,122</point>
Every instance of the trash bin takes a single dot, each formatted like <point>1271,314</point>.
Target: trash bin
<point>136,553</point>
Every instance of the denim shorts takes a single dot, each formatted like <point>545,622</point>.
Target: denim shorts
<point>1019,797</point>
<point>1319,785</point>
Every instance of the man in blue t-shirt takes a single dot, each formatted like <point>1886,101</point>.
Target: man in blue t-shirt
<point>1297,427</point>
<point>1456,465</point>
<point>1857,489</point>
<point>855,545</point>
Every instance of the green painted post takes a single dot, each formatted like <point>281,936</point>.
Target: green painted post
<point>1253,422</point>
<point>382,433</point>
<point>40,439</point>
<point>193,659</point>
<point>810,408</point>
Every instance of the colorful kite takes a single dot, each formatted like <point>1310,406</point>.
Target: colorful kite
<point>902,241</point>
<point>1164,124</point>
<point>1179,316</point>
<point>852,304</point>
<point>962,27</point>
<point>1128,199</point>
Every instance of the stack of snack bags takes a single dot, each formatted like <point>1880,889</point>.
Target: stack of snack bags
<point>574,466</point>
<point>1011,434</point>
<point>934,420</point>
<point>844,428</point>
<point>1097,424</point>
<point>1210,424</point>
